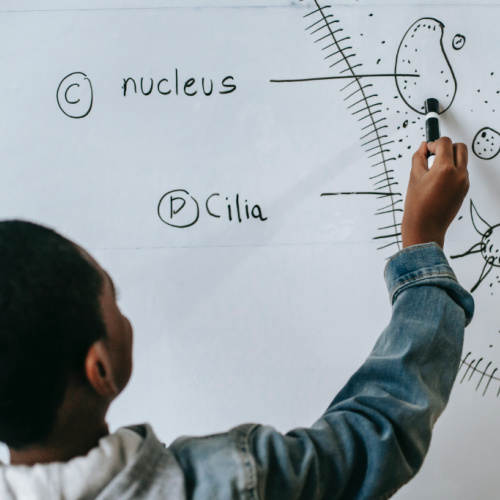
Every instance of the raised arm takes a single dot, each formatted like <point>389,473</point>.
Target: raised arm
<point>374,436</point>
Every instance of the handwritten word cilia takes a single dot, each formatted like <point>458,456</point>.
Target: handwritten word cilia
<point>178,208</point>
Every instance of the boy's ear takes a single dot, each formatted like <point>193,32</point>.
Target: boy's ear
<point>99,371</point>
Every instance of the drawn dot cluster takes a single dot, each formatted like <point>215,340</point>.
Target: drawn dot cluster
<point>409,121</point>
<point>486,143</point>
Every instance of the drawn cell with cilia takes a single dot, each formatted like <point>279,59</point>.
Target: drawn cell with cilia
<point>419,63</point>
<point>488,246</point>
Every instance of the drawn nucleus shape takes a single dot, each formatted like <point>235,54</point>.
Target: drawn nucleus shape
<point>486,143</point>
<point>422,57</point>
<point>75,95</point>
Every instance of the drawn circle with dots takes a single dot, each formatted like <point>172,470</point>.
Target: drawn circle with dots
<point>75,95</point>
<point>486,143</point>
<point>458,41</point>
<point>491,246</point>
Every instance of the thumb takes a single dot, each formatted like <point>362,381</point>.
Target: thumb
<point>419,160</point>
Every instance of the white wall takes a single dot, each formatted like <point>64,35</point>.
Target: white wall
<point>259,320</point>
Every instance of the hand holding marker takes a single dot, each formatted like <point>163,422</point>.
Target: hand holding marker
<point>431,125</point>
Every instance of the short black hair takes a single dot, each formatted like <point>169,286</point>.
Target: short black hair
<point>50,315</point>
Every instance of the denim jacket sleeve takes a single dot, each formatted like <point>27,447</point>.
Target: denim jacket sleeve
<point>373,437</point>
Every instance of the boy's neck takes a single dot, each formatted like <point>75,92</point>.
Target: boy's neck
<point>80,424</point>
<point>73,443</point>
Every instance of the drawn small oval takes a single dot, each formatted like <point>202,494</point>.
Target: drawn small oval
<point>458,41</point>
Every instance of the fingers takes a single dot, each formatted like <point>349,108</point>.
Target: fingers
<point>446,152</point>
<point>461,155</point>
<point>449,153</point>
<point>419,160</point>
<point>443,149</point>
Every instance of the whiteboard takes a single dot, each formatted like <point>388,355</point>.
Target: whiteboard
<point>246,206</point>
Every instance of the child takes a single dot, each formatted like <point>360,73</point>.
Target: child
<point>66,354</point>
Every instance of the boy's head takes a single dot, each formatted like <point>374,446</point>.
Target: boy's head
<point>59,322</point>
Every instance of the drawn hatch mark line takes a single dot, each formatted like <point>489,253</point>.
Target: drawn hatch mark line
<point>371,110</point>
<point>471,367</point>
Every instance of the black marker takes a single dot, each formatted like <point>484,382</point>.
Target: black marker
<point>432,133</point>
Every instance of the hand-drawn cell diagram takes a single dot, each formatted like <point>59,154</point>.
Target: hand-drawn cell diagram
<point>486,143</point>
<point>421,52</point>
<point>420,65</point>
<point>75,95</point>
<point>488,246</point>
<point>478,369</point>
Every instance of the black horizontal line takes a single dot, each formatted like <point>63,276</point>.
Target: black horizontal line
<point>389,227</point>
<point>380,75</point>
<point>377,193</point>
<point>386,236</point>
<point>390,211</point>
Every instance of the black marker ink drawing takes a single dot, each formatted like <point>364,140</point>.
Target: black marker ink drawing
<point>479,370</point>
<point>471,366</point>
<point>178,208</point>
<point>486,143</point>
<point>75,95</point>
<point>488,246</point>
<point>421,52</point>
<point>364,105</point>
<point>421,64</point>
<point>458,41</point>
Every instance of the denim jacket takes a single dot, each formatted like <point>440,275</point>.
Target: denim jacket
<point>373,437</point>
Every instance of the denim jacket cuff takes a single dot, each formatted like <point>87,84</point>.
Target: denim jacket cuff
<point>417,265</point>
